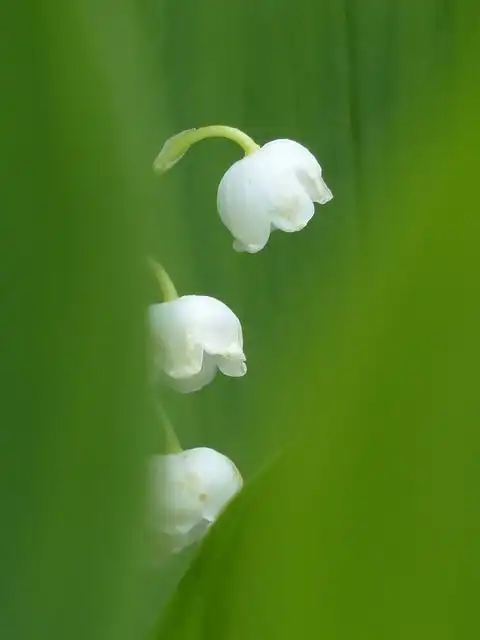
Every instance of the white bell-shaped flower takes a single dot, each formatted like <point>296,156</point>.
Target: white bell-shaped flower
<point>193,337</point>
<point>272,188</point>
<point>189,490</point>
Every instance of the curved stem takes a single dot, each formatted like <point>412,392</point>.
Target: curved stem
<point>166,285</point>
<point>221,131</point>
<point>177,146</point>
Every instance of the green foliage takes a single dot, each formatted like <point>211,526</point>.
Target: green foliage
<point>361,331</point>
<point>75,172</point>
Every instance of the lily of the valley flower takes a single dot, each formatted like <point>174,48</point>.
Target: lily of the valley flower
<point>194,336</point>
<point>189,491</point>
<point>272,188</point>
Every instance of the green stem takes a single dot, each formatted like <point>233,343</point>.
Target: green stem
<point>166,285</point>
<point>172,443</point>
<point>177,146</point>
<point>222,131</point>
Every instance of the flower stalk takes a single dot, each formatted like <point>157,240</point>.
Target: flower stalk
<point>172,443</point>
<point>167,288</point>
<point>177,146</point>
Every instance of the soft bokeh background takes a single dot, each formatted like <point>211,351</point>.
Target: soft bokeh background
<point>361,332</point>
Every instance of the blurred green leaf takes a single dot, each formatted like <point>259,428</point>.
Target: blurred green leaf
<point>75,169</point>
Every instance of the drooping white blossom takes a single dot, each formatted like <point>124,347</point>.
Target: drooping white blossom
<point>193,336</point>
<point>188,492</point>
<point>272,188</point>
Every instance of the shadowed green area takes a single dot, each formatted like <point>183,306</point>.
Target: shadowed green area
<point>75,431</point>
<point>361,332</point>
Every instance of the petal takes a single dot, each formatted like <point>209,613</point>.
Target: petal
<point>319,192</point>
<point>291,155</point>
<point>196,382</point>
<point>294,207</point>
<point>188,490</point>
<point>213,325</point>
<point>175,350</point>
<point>180,541</point>
<point>299,160</point>
<point>246,248</point>
<point>174,500</point>
<point>241,206</point>
<point>234,367</point>
<point>220,479</point>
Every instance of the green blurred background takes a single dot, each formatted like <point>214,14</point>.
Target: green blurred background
<point>361,332</point>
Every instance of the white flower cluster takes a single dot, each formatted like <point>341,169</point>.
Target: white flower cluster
<point>274,187</point>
